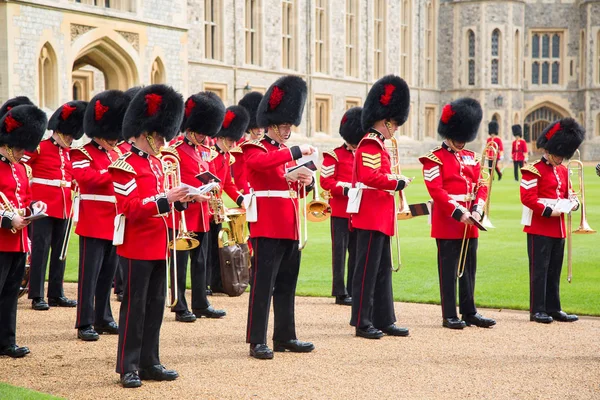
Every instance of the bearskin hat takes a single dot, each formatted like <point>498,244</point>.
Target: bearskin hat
<point>68,119</point>
<point>562,138</point>
<point>283,103</point>
<point>516,130</point>
<point>155,108</point>
<point>104,116</point>
<point>493,127</point>
<point>131,92</point>
<point>204,114</point>
<point>15,101</point>
<point>351,126</point>
<point>389,98</point>
<point>23,127</point>
<point>460,120</point>
<point>235,123</point>
<point>250,102</point>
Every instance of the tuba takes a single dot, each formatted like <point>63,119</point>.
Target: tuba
<point>487,177</point>
<point>576,167</point>
<point>402,210</point>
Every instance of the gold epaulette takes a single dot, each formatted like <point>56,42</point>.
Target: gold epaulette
<point>236,149</point>
<point>213,154</point>
<point>255,143</point>
<point>432,156</point>
<point>84,151</point>
<point>375,137</point>
<point>171,150</point>
<point>28,171</point>
<point>123,165</point>
<point>332,154</point>
<point>231,159</point>
<point>532,169</point>
<point>176,144</point>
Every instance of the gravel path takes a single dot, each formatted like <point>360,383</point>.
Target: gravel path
<point>515,359</point>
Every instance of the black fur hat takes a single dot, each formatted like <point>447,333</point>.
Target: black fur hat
<point>283,103</point>
<point>235,123</point>
<point>351,126</point>
<point>129,94</point>
<point>68,119</point>
<point>250,102</point>
<point>516,130</point>
<point>389,98</point>
<point>23,127</point>
<point>460,120</point>
<point>493,127</point>
<point>155,108</point>
<point>104,116</point>
<point>562,138</point>
<point>204,114</point>
<point>15,101</point>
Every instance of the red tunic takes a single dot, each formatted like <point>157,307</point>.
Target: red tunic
<point>124,147</point>
<point>336,175</point>
<point>519,149</point>
<point>541,185</point>
<point>498,141</point>
<point>266,161</point>
<point>138,181</point>
<point>97,205</point>
<point>372,169</point>
<point>222,168</point>
<point>239,169</point>
<point>51,177</point>
<point>14,184</point>
<point>452,182</point>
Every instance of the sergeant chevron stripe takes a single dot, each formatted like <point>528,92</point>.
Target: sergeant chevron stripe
<point>525,184</point>
<point>371,160</point>
<point>432,173</point>
<point>327,171</point>
<point>25,158</point>
<point>81,164</point>
<point>126,189</point>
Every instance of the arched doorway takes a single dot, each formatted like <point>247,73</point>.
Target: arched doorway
<point>47,78</point>
<point>538,119</point>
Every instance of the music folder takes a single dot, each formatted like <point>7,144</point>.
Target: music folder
<point>307,168</point>
<point>478,224</point>
<point>206,177</point>
<point>418,209</point>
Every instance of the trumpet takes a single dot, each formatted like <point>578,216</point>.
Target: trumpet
<point>401,209</point>
<point>6,205</point>
<point>576,167</point>
<point>217,207</point>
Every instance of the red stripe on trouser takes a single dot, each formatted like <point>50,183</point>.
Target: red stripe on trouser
<point>441,278</point>
<point>81,283</point>
<point>362,288</point>
<point>531,274</point>
<point>127,317</point>
<point>252,292</point>
<point>332,255</point>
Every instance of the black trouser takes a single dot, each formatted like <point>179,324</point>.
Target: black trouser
<point>197,257</point>
<point>490,162</point>
<point>372,293</point>
<point>97,265</point>
<point>448,257</point>
<point>141,314</point>
<point>275,273</point>
<point>213,274</point>
<point>119,279</point>
<point>545,264</point>
<point>45,234</point>
<point>517,165</point>
<point>342,240</point>
<point>12,269</point>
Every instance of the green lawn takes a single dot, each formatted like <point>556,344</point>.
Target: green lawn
<point>502,276</point>
<point>8,392</point>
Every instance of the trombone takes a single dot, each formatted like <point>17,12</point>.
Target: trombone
<point>487,176</point>
<point>401,209</point>
<point>67,239</point>
<point>576,167</point>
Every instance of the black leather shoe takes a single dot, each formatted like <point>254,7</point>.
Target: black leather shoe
<point>87,334</point>
<point>39,304</point>
<point>209,312</point>
<point>295,346</point>
<point>208,292</point>
<point>478,320</point>
<point>343,300</point>
<point>131,380</point>
<point>110,329</point>
<point>158,373</point>
<point>394,330</point>
<point>120,297</point>
<point>453,323</point>
<point>14,351</point>
<point>61,302</point>
<point>563,316</point>
<point>541,317</point>
<point>369,332</point>
<point>185,316</point>
<point>261,351</point>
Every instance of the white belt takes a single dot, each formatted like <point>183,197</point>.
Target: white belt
<point>462,197</point>
<point>99,197</point>
<point>51,182</point>
<point>283,194</point>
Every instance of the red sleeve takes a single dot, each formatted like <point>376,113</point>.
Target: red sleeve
<point>328,178</point>
<point>83,172</point>
<point>500,145</point>
<point>259,159</point>
<point>239,173</point>
<point>368,164</point>
<point>432,176</point>
<point>529,193</point>
<point>229,187</point>
<point>129,201</point>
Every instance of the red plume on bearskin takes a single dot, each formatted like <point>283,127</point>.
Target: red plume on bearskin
<point>344,120</point>
<point>189,106</point>
<point>11,124</point>
<point>23,127</point>
<point>105,119</point>
<point>153,101</point>
<point>386,97</point>
<point>67,110</point>
<point>235,123</point>
<point>99,110</point>
<point>552,131</point>
<point>276,97</point>
<point>283,103</point>
<point>229,116</point>
<point>68,119</point>
<point>15,101</point>
<point>562,138</point>
<point>460,120</point>
<point>447,113</point>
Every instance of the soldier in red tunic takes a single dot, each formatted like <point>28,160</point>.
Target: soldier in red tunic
<point>493,132</point>
<point>234,125</point>
<point>336,178</point>
<point>204,113</point>
<point>153,118</point>
<point>250,102</point>
<point>272,210</point>
<point>21,128</point>
<point>97,211</point>
<point>519,150</point>
<point>51,183</point>
<point>544,183</point>
<point>452,175</point>
<point>385,109</point>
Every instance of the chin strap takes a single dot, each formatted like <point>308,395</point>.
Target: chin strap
<point>390,129</point>
<point>152,145</point>
<point>10,155</point>
<point>192,137</point>
<point>62,139</point>
<point>255,134</point>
